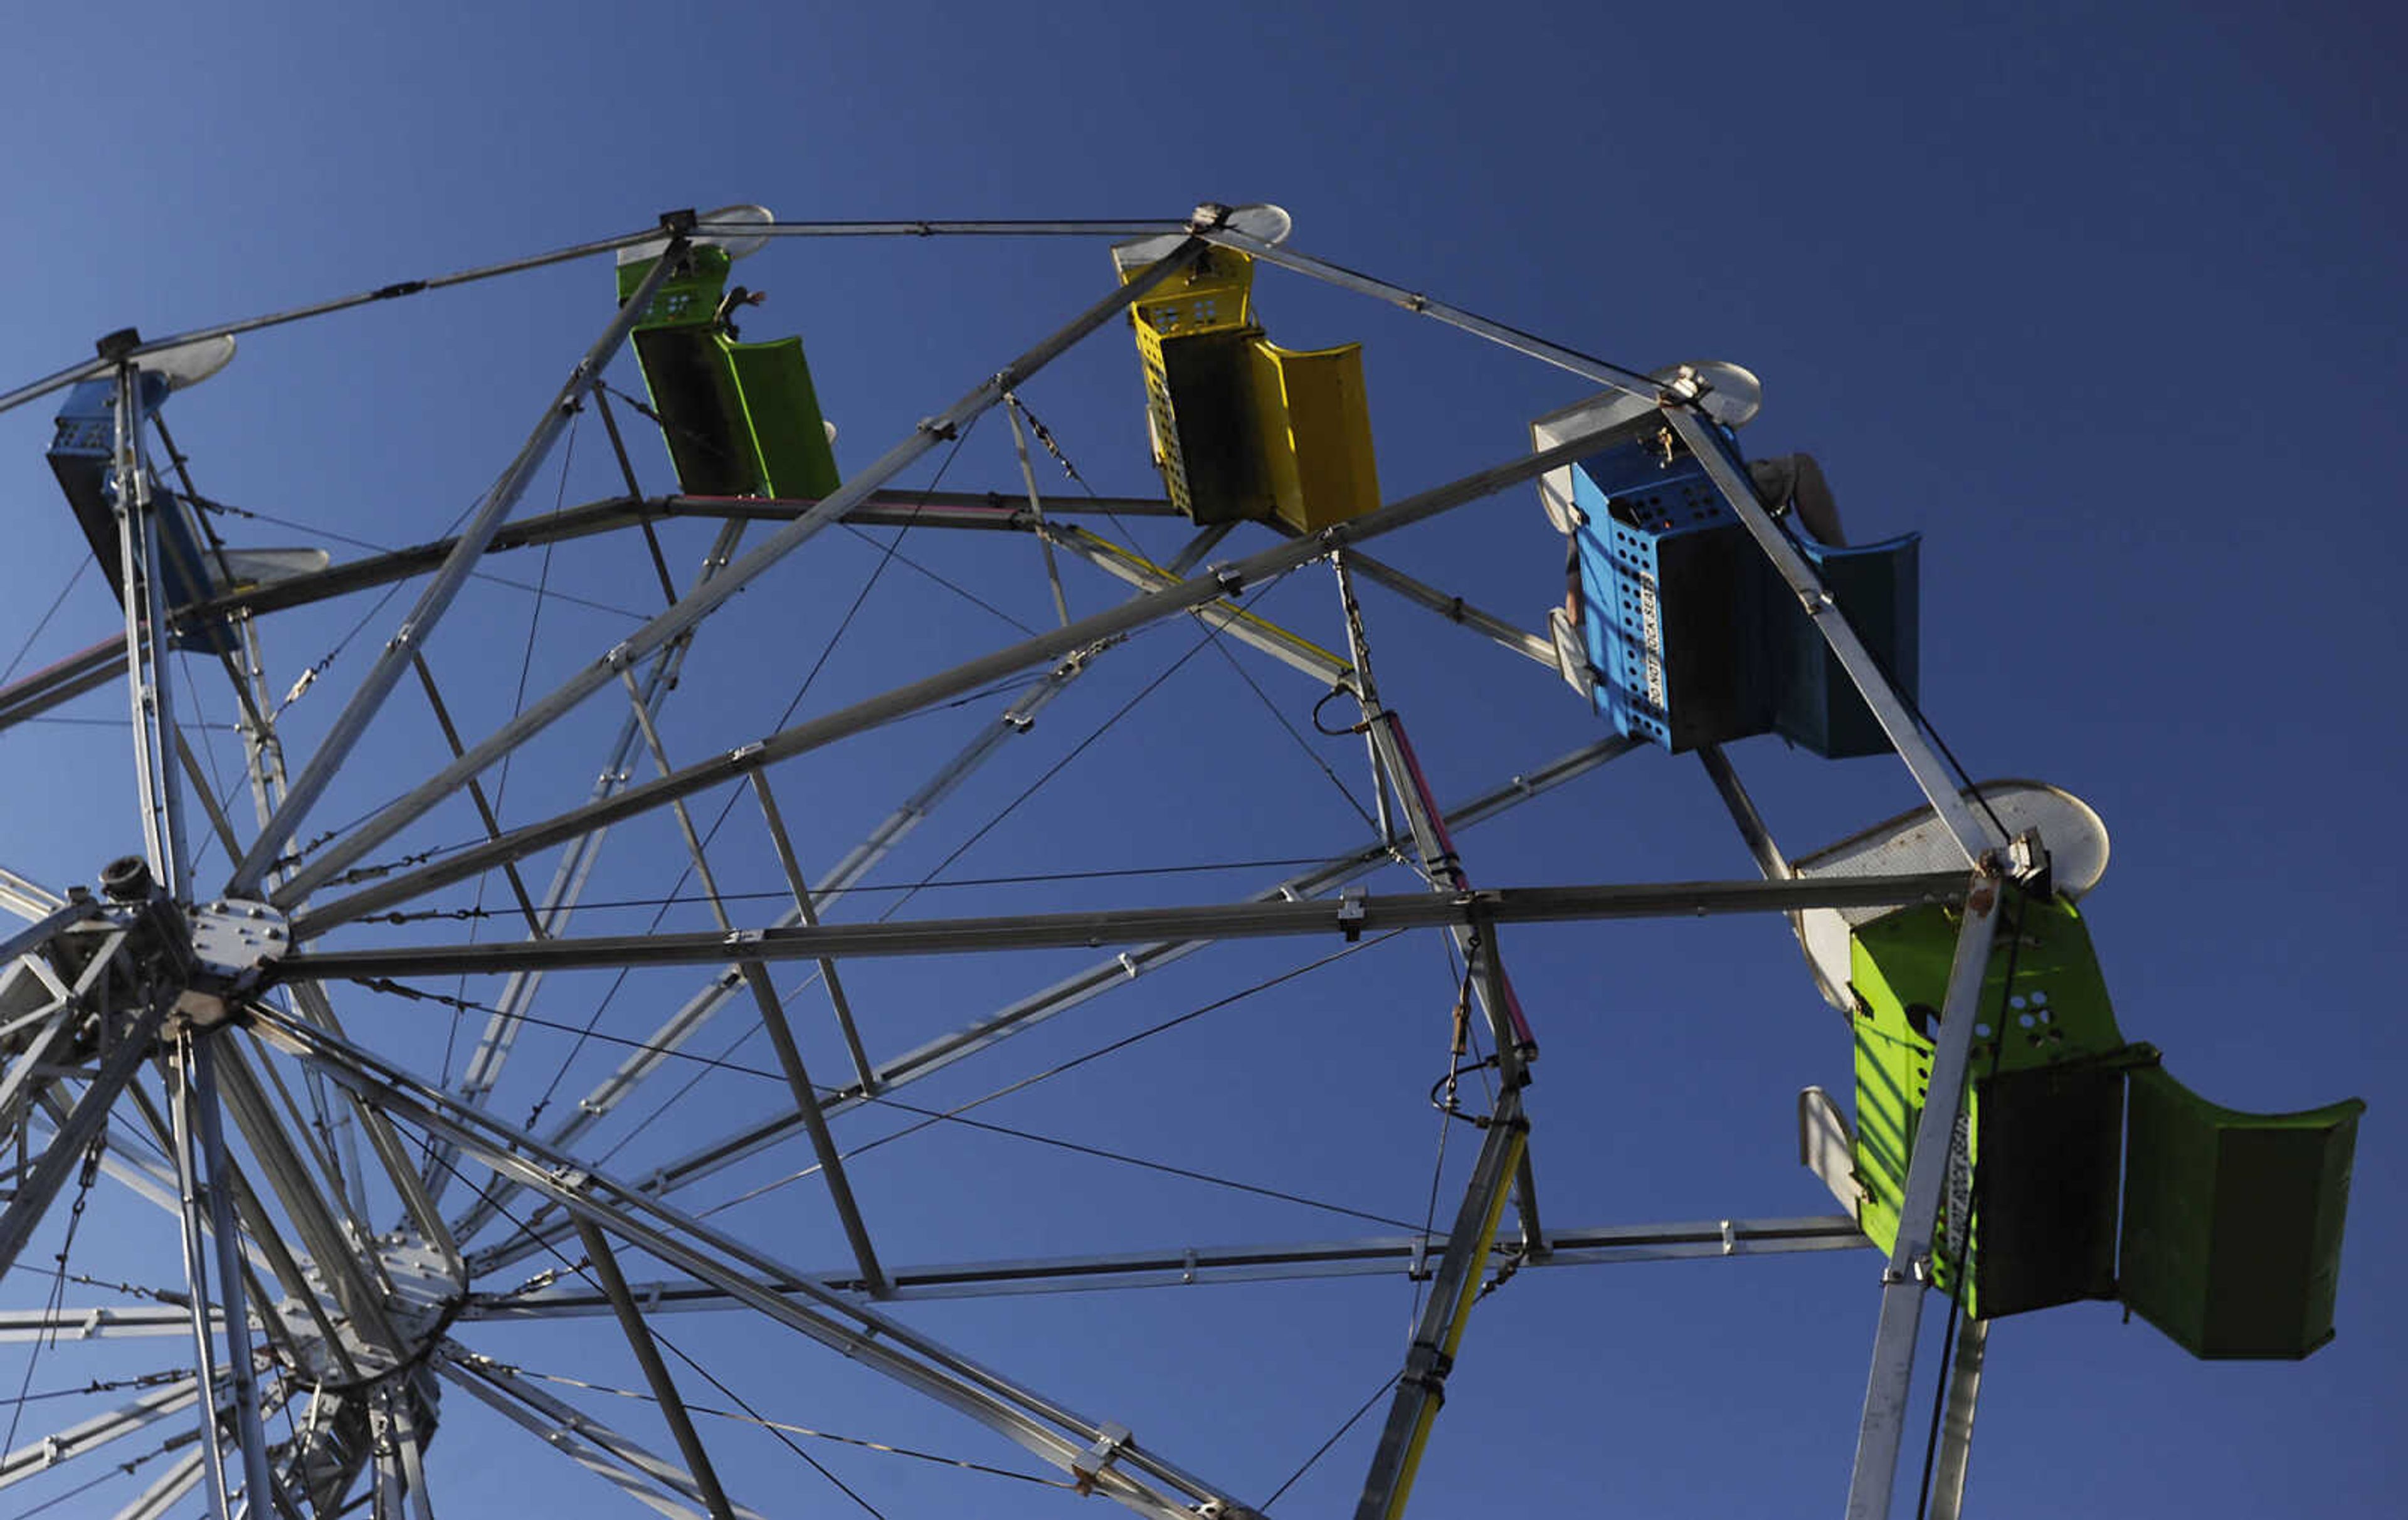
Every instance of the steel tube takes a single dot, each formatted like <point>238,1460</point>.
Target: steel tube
<point>806,1108</point>
<point>235,1311</point>
<point>967,677</point>
<point>1034,1422</point>
<point>1027,1012</point>
<point>1206,1266</point>
<point>1029,931</point>
<point>433,602</point>
<point>1974,834</point>
<point>656,1372</point>
<point>1909,1271</point>
<point>1628,380</point>
<point>706,598</point>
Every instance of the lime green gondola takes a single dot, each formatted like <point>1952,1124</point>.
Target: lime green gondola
<point>2230,1223</point>
<point>740,419</point>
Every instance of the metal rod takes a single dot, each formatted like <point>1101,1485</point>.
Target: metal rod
<point>1767,852</point>
<point>1628,380</point>
<point>576,1435</point>
<point>1421,1388</point>
<point>569,876</point>
<point>230,1284</point>
<point>808,916</point>
<point>476,790</point>
<point>706,598</point>
<point>1121,926</point>
<point>1358,655</point>
<point>88,368</point>
<point>150,1406</point>
<point>61,682</point>
<point>1053,228</point>
<point>1027,1012</point>
<point>1035,507</point>
<point>76,1132</point>
<point>1909,1271</point>
<point>1223,616</point>
<point>196,1280</point>
<point>147,693</point>
<point>1974,834</point>
<point>963,677</point>
<point>656,1372</point>
<point>1956,1426</point>
<point>1038,1424</point>
<point>1454,610</point>
<point>973,511</point>
<point>806,1108</point>
<point>419,624</point>
<point>1205,1265</point>
<point>702,870</point>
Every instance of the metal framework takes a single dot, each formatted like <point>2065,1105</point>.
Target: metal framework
<point>333,1275</point>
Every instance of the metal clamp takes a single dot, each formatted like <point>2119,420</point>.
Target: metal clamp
<point>1350,913</point>
<point>1087,1468</point>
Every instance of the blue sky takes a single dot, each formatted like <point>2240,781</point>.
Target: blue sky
<point>2102,303</point>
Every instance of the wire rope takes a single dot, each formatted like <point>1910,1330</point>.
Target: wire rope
<point>83,565</point>
<point>1339,1434</point>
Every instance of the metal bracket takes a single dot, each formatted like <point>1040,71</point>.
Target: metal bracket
<point>1086,1468</point>
<point>1349,914</point>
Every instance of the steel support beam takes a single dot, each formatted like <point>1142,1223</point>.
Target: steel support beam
<point>1070,992</point>
<point>100,1430</point>
<point>659,1484</point>
<point>900,702</point>
<point>1628,381</point>
<point>706,1002</point>
<point>1122,925</point>
<point>1421,1388</point>
<point>1206,1266</point>
<point>1456,610</point>
<point>1908,1274</point>
<point>1956,1453</point>
<point>806,1108</point>
<point>1039,1425</point>
<point>231,1294</point>
<point>707,598</point>
<point>1974,834</point>
<point>656,1372</point>
<point>196,1287</point>
<point>1221,617</point>
<point>972,510</point>
<point>808,915</point>
<point>77,1131</point>
<point>411,636</point>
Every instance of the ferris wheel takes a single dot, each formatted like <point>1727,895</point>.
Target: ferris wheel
<point>514,987</point>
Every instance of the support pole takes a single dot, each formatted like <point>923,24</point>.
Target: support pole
<point>873,712</point>
<point>656,1372</point>
<point>808,916</point>
<point>149,690</point>
<point>1956,1425</point>
<point>75,1134</point>
<point>1908,1272</point>
<point>1422,1386</point>
<point>196,1283</point>
<point>201,1065</point>
<point>411,636</point>
<point>706,598</point>
<point>1035,507</point>
<point>1027,1012</point>
<point>1974,834</point>
<point>807,1107</point>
